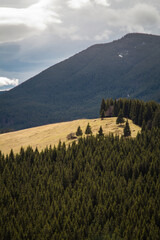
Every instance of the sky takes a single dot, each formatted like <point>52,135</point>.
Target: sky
<point>36,34</point>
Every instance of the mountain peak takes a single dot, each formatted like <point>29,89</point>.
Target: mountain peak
<point>139,35</point>
<point>74,88</point>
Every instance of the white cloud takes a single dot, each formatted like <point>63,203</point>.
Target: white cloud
<point>103,2</point>
<point>35,16</point>
<point>6,82</point>
<point>77,4</point>
<point>32,19</point>
<point>103,36</point>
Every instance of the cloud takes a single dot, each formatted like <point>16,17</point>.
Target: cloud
<point>77,4</point>
<point>6,83</point>
<point>103,36</point>
<point>140,17</point>
<point>103,2</point>
<point>17,3</point>
<point>28,21</point>
<point>144,14</point>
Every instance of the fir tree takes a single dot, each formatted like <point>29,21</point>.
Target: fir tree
<point>120,118</point>
<point>88,129</point>
<point>102,114</point>
<point>100,132</point>
<point>79,131</point>
<point>102,109</point>
<point>127,131</point>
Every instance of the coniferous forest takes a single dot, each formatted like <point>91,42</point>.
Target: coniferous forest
<point>102,187</point>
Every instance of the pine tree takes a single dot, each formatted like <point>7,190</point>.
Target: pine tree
<point>88,129</point>
<point>79,131</point>
<point>102,109</point>
<point>120,118</point>
<point>127,131</point>
<point>102,114</point>
<point>100,132</point>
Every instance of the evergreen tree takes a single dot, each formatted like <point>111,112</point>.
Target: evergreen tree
<point>79,131</point>
<point>156,120</point>
<point>120,118</point>
<point>103,108</point>
<point>102,114</point>
<point>127,131</point>
<point>100,132</point>
<point>88,129</point>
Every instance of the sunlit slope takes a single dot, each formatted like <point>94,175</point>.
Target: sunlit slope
<point>51,134</point>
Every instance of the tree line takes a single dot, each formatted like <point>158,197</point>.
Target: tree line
<point>144,114</point>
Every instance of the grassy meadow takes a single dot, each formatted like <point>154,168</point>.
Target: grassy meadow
<point>51,134</point>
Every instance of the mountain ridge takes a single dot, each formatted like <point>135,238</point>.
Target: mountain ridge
<point>73,88</point>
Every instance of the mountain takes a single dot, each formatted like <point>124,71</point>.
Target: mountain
<point>2,92</point>
<point>73,89</point>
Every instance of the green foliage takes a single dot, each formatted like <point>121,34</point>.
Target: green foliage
<point>127,130</point>
<point>79,131</point>
<point>120,118</point>
<point>156,120</point>
<point>88,129</point>
<point>100,188</point>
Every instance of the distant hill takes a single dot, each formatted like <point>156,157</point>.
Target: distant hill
<point>74,88</point>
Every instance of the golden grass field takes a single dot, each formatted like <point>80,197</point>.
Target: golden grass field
<point>47,135</point>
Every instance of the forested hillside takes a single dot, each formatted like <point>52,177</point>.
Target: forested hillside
<point>101,188</point>
<point>144,114</point>
<point>72,89</point>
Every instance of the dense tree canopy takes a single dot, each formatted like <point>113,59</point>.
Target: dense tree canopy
<point>138,111</point>
<point>100,188</point>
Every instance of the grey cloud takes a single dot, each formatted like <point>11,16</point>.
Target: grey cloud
<point>14,33</point>
<point>16,3</point>
<point>145,15</point>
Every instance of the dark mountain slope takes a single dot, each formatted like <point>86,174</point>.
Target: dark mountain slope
<point>74,88</point>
